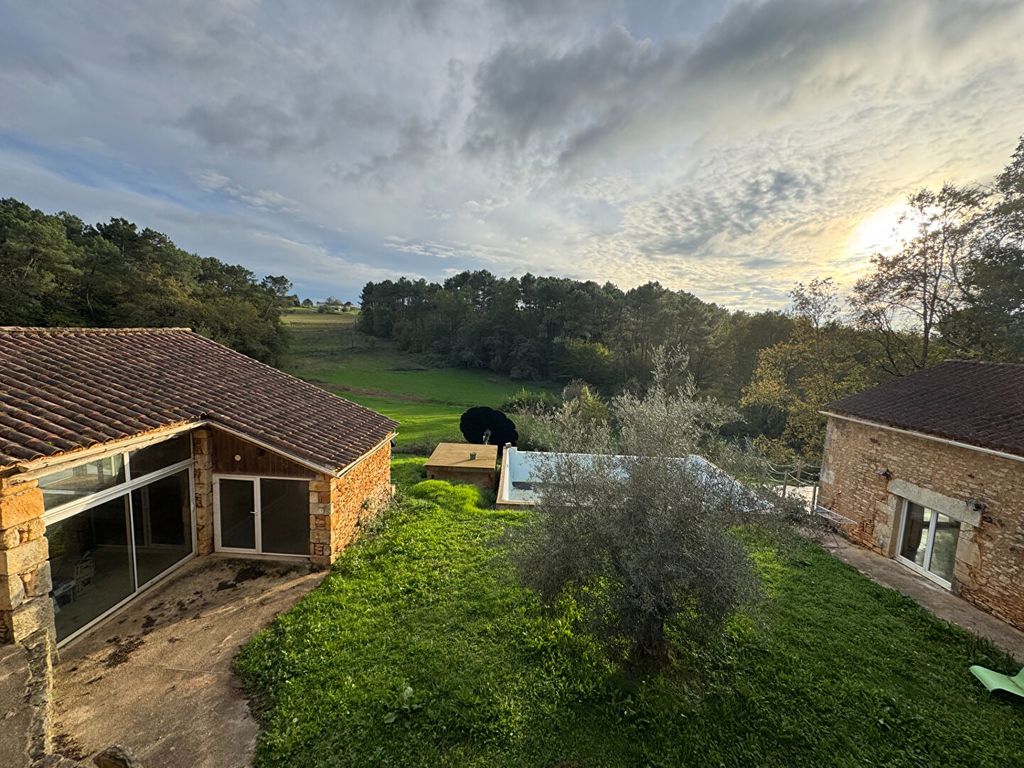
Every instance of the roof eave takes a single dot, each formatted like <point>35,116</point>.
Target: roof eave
<point>44,464</point>
<point>922,435</point>
<point>91,452</point>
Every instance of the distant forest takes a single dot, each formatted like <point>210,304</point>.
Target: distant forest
<point>58,270</point>
<point>954,289</point>
<point>551,328</point>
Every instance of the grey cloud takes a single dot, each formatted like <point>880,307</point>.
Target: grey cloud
<point>758,60</point>
<point>203,39</point>
<point>687,221</point>
<point>525,90</point>
<point>417,144</point>
<point>19,57</point>
<point>46,66</point>
<point>245,125</point>
<point>761,263</point>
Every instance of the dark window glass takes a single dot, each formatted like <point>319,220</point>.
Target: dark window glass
<point>69,485</point>
<point>91,564</point>
<point>284,516</point>
<point>162,518</point>
<point>156,457</point>
<point>237,510</point>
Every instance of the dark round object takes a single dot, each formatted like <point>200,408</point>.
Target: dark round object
<point>482,425</point>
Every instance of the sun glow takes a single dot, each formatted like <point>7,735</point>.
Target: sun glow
<point>884,231</point>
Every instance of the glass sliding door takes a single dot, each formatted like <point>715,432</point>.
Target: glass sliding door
<point>236,510</point>
<point>945,536</point>
<point>114,525</point>
<point>916,522</point>
<point>90,563</point>
<point>284,516</point>
<point>263,515</point>
<point>162,525</point>
<point>929,540</point>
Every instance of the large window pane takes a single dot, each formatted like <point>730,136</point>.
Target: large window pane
<point>162,519</point>
<point>72,484</point>
<point>237,509</point>
<point>91,564</point>
<point>947,534</point>
<point>915,533</point>
<point>284,516</point>
<point>161,455</point>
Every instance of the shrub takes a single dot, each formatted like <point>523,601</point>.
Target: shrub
<point>530,400</point>
<point>643,539</point>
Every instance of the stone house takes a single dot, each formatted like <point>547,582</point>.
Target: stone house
<point>124,453</point>
<point>929,469</point>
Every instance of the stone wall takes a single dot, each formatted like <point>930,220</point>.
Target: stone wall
<point>867,470</point>
<point>24,571</point>
<point>202,454</point>
<point>340,505</point>
<point>26,616</point>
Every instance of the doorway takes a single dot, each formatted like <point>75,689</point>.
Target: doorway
<point>261,515</point>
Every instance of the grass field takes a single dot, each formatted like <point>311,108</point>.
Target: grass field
<point>427,402</point>
<point>420,649</point>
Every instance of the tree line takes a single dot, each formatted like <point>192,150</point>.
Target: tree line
<point>58,270</point>
<point>552,328</point>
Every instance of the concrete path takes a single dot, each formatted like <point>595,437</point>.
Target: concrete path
<point>156,677</point>
<point>941,602</point>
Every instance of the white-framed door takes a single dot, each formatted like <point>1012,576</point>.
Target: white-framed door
<point>261,515</point>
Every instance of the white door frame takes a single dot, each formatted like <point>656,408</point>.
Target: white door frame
<point>257,516</point>
<point>929,542</point>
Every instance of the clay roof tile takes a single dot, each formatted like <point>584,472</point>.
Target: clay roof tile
<point>64,389</point>
<point>977,403</point>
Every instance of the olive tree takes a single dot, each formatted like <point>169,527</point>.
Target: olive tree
<point>642,533</point>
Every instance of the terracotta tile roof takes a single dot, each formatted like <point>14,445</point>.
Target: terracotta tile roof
<point>63,389</point>
<point>977,403</point>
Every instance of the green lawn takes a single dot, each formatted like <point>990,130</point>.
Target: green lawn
<point>419,649</point>
<point>427,402</point>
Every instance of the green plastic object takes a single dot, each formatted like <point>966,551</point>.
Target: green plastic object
<point>994,681</point>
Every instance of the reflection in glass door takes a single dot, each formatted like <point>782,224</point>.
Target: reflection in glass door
<point>284,516</point>
<point>90,563</point>
<point>103,555</point>
<point>929,540</point>
<point>237,511</point>
<point>162,525</point>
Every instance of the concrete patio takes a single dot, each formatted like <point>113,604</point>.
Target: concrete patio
<point>941,602</point>
<point>156,677</point>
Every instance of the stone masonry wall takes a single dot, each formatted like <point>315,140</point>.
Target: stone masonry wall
<point>203,485</point>
<point>24,570</point>
<point>866,466</point>
<point>26,612</point>
<point>339,505</point>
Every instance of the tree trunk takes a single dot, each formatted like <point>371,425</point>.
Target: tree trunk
<point>652,649</point>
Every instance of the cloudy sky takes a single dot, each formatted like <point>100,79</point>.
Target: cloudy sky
<point>725,148</point>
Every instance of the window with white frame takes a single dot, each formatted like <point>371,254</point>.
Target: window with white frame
<point>114,526</point>
<point>928,541</point>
